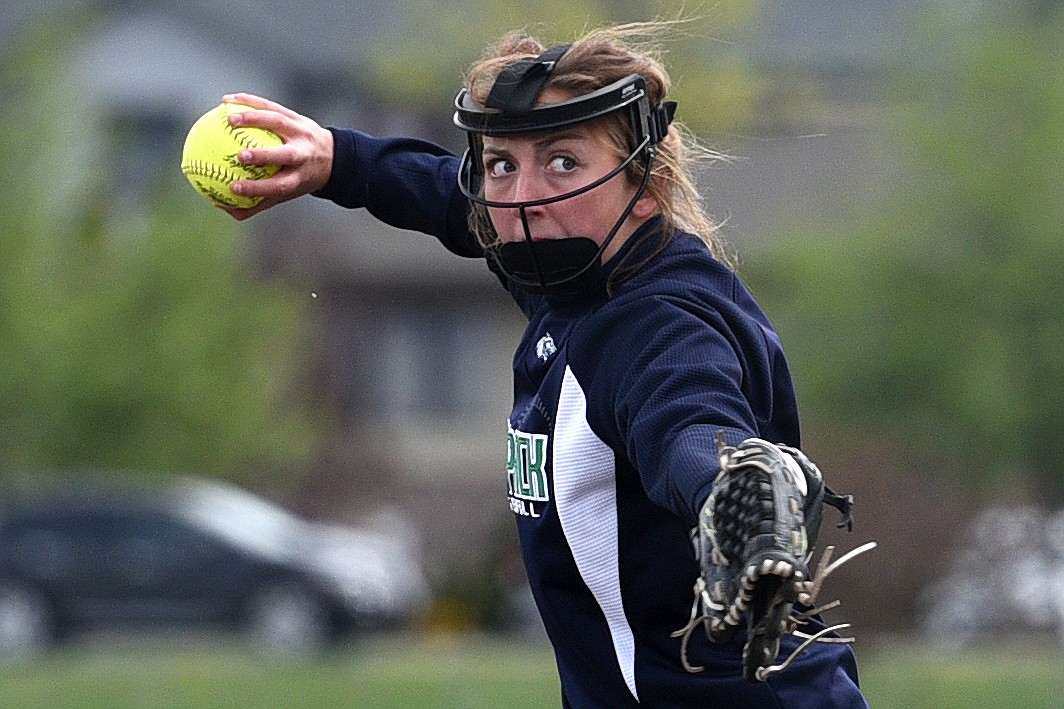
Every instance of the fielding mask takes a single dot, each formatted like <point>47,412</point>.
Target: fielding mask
<point>573,265</point>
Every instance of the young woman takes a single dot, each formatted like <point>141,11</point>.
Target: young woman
<point>642,349</point>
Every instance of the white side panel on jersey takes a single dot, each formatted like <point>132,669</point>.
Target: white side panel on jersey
<point>585,495</point>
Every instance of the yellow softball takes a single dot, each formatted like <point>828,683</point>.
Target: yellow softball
<point>209,159</point>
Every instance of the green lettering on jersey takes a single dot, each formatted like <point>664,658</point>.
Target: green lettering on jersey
<point>526,465</point>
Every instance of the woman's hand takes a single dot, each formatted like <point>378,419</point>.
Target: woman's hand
<point>305,158</point>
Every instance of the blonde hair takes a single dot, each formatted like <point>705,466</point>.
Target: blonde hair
<point>599,58</point>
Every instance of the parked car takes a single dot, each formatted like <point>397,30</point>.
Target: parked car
<point>193,552</point>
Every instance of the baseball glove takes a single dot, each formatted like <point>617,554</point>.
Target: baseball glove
<point>754,541</point>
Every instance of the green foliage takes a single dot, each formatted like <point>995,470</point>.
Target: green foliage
<point>935,316</point>
<point>131,335</point>
<point>422,61</point>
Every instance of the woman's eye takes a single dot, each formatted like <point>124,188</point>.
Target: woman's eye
<point>498,168</point>
<point>562,164</point>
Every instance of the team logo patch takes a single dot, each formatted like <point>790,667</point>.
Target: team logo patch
<point>526,471</point>
<point>545,348</point>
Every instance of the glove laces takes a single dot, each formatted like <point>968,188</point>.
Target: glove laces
<point>807,595</point>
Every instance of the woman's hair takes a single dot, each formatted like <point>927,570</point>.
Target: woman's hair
<point>599,58</point>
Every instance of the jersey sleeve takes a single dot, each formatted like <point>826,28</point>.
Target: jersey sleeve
<point>666,377</point>
<point>404,182</point>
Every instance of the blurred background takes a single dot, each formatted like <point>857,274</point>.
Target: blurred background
<point>894,198</point>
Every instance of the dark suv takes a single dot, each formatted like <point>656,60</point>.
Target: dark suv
<point>192,552</point>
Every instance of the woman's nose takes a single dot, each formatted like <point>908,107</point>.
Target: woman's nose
<point>528,187</point>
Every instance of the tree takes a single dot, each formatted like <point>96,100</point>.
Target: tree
<point>935,317</point>
<point>130,338</point>
<point>423,59</point>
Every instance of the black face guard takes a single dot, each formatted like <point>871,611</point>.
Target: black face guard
<point>546,266</point>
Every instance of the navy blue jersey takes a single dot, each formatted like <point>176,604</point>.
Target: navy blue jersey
<point>611,444</point>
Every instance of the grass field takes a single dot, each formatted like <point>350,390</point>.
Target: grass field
<point>462,673</point>
<point>1024,676</point>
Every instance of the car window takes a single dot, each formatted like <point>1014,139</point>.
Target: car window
<point>241,519</point>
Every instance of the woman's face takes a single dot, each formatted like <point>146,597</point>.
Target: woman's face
<point>541,165</point>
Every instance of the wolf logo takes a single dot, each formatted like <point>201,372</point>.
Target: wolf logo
<point>545,348</point>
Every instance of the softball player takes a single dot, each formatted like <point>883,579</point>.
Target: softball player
<point>642,348</point>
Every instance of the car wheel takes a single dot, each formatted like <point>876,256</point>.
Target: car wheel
<point>285,618</point>
<point>26,621</point>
